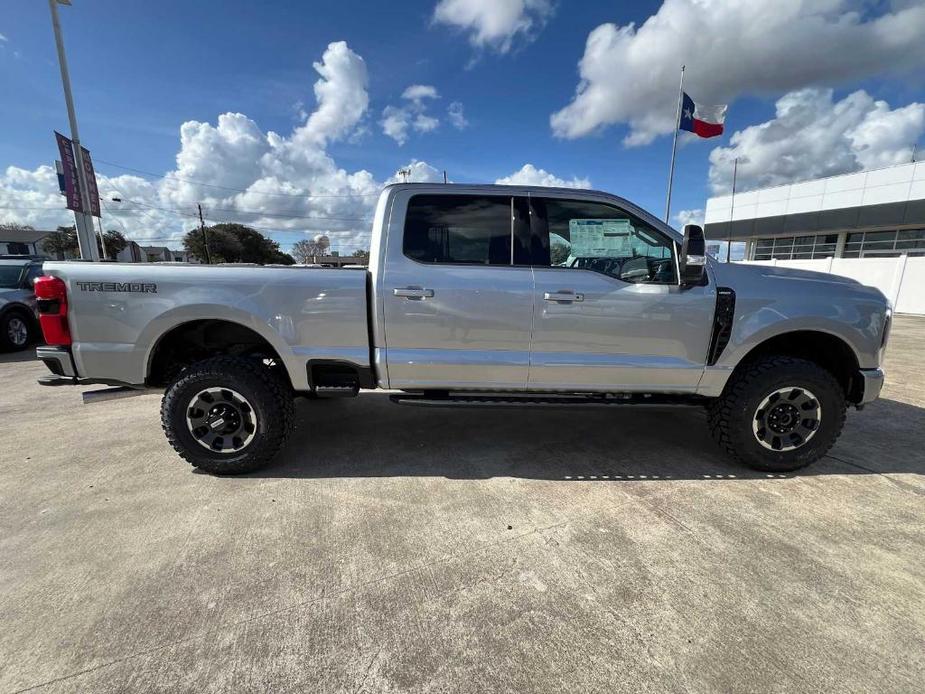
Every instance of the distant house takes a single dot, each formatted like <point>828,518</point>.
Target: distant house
<point>184,257</point>
<point>22,242</point>
<point>132,253</point>
<point>157,254</point>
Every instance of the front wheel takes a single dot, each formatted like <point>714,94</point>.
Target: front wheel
<point>779,414</point>
<point>227,415</point>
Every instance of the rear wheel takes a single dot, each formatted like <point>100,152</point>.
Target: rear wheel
<point>779,414</point>
<point>15,331</point>
<point>227,415</point>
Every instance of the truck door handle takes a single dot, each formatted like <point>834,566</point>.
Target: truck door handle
<point>413,293</point>
<point>563,296</point>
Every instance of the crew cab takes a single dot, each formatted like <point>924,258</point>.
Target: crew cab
<point>478,295</point>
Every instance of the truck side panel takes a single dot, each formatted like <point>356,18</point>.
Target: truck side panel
<point>119,312</point>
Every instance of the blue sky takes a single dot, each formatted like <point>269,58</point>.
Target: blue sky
<point>140,70</point>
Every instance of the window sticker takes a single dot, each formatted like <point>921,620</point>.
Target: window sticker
<point>601,238</point>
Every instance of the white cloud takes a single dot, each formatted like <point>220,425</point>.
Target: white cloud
<point>424,124</point>
<point>495,24</point>
<point>397,121</point>
<point>417,92</point>
<point>457,115</point>
<point>418,172</point>
<point>813,135</point>
<point>688,217</point>
<point>287,184</point>
<point>630,74</point>
<point>529,175</point>
<point>341,94</point>
<point>3,38</point>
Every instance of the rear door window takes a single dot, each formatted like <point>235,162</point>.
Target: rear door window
<point>464,229</point>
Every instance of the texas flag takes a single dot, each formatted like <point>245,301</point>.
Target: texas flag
<point>705,121</point>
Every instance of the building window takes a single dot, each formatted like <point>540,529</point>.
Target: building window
<point>885,244</point>
<point>796,248</point>
<point>859,244</point>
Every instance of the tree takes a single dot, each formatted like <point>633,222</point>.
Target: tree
<point>223,246</point>
<point>115,244</point>
<point>235,243</point>
<point>15,226</point>
<point>361,253</point>
<point>16,247</point>
<point>306,250</point>
<point>62,243</point>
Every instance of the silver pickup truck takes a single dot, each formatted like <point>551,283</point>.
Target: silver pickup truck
<point>478,295</point>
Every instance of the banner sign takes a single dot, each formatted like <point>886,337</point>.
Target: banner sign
<point>59,169</point>
<point>69,164</point>
<point>90,176</point>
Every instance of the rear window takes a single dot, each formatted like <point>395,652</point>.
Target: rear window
<point>468,229</point>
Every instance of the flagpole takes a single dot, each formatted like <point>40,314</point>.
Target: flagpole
<point>674,145</point>
<point>732,207</point>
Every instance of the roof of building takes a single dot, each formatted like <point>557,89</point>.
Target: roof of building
<point>23,235</point>
<point>890,197</point>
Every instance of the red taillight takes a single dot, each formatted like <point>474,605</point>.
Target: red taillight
<point>51,293</point>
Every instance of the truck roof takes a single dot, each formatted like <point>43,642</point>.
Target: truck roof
<point>544,191</point>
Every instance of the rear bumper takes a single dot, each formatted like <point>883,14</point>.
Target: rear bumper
<point>872,383</point>
<point>58,360</point>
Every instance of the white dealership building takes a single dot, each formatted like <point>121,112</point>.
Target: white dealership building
<point>869,226</point>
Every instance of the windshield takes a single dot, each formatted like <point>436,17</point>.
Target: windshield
<point>10,276</point>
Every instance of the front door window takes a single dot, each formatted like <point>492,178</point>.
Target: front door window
<point>605,239</point>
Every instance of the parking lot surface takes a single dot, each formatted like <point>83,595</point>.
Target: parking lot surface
<point>429,550</point>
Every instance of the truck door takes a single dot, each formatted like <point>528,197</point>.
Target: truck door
<point>457,292</point>
<point>609,312</point>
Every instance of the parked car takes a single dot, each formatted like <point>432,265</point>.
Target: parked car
<point>18,317</point>
<point>475,296</point>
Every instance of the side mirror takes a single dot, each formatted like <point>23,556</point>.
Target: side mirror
<point>693,260</point>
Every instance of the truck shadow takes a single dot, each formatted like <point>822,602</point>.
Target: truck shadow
<point>371,437</point>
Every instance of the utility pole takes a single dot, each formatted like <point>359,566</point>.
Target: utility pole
<point>444,176</point>
<point>205,238</point>
<point>102,239</point>
<point>84,220</point>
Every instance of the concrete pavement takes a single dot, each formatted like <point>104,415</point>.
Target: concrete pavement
<point>397,549</point>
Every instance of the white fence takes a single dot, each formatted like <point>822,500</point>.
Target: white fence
<point>902,279</point>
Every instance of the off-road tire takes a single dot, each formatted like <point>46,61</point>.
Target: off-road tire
<point>732,414</point>
<point>6,343</point>
<point>267,393</point>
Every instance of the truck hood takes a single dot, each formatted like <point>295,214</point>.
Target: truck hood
<point>771,281</point>
<point>772,272</point>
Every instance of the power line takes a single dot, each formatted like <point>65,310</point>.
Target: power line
<point>234,211</point>
<point>151,174</point>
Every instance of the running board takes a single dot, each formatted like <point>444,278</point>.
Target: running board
<point>116,393</point>
<point>549,401</point>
